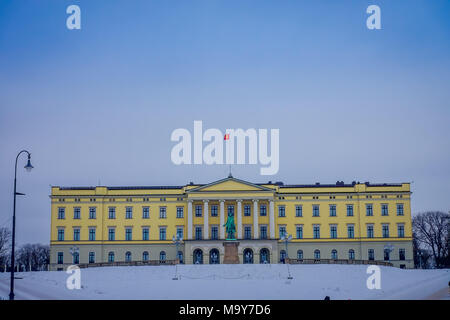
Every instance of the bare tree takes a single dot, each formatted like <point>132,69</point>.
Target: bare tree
<point>5,239</point>
<point>33,256</point>
<point>431,232</point>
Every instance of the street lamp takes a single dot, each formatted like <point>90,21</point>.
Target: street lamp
<point>286,238</point>
<point>389,248</point>
<point>177,240</point>
<point>28,167</point>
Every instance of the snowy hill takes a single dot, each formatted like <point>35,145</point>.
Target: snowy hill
<point>232,282</point>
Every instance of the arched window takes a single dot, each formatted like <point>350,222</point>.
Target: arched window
<point>334,254</point>
<point>76,258</point>
<point>180,256</point>
<point>145,256</point>
<point>351,254</point>
<point>128,256</point>
<point>264,256</point>
<point>282,256</point>
<point>300,254</point>
<point>214,256</point>
<point>317,254</point>
<point>248,256</point>
<point>162,256</point>
<point>111,257</point>
<point>91,257</point>
<point>198,256</point>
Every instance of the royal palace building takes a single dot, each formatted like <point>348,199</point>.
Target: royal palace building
<point>326,222</point>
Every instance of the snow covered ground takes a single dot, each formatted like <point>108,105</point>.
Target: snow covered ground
<point>232,282</point>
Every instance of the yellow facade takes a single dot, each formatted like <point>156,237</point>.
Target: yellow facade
<point>236,193</point>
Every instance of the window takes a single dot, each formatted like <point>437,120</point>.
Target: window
<point>334,254</point>
<point>399,209</point>
<point>401,254</point>
<point>61,213</point>
<point>180,212</point>
<point>350,231</point>
<point>316,254</point>
<point>145,213</point>
<point>60,257</point>
<point>371,254</point>
<point>91,257</point>
<point>387,254</point>
<point>263,232</point>
<point>299,232</point>
<point>112,213</point>
<point>128,256</point>
<point>263,210</point>
<point>180,232</point>
<point>247,232</point>
<point>129,213</point>
<point>351,254</point>
<point>300,254</point>
<point>92,212</point>
<point>315,210</point>
<point>332,210</point>
<point>298,211</point>
<point>145,256</point>
<point>77,213</point>
<point>281,211</point>
<point>111,257</point>
<point>198,233</point>
<point>282,256</point>
<point>282,231</point>
<point>60,234</point>
<point>349,210</point>
<point>333,231</point>
<point>316,231</point>
<point>198,211</point>
<point>230,210</point>
<point>214,232</point>
<point>111,234</point>
<point>385,229</point>
<point>91,234</point>
<point>384,209</point>
<point>162,213</point>
<point>162,256</point>
<point>369,210</point>
<point>247,211</point>
<point>369,231</point>
<point>401,230</point>
<point>145,233</point>
<point>76,258</point>
<point>76,234</point>
<point>128,234</point>
<point>162,233</point>
<point>214,211</point>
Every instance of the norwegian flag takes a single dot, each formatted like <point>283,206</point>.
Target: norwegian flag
<point>227,136</point>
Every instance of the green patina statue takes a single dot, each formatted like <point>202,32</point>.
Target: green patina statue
<point>230,227</point>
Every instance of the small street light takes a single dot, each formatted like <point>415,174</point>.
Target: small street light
<point>286,238</point>
<point>28,167</point>
<point>177,239</point>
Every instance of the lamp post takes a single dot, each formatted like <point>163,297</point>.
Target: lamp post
<point>286,238</point>
<point>177,240</point>
<point>389,248</point>
<point>28,167</point>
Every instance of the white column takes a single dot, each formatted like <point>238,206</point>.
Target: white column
<point>205,220</point>
<point>255,219</point>
<point>189,226</point>
<point>272,219</point>
<point>239,219</point>
<point>222,219</point>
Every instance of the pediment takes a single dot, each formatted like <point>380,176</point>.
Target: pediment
<point>229,184</point>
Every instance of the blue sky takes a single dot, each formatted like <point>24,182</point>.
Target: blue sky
<point>99,104</point>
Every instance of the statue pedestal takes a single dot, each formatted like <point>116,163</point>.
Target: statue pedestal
<point>231,252</point>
